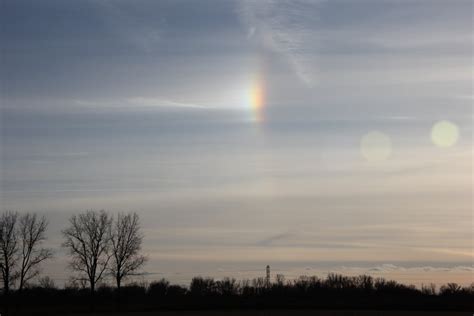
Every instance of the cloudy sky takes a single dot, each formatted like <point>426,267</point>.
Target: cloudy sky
<point>308,135</point>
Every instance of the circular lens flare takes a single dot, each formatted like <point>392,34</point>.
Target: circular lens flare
<point>444,134</point>
<point>376,146</point>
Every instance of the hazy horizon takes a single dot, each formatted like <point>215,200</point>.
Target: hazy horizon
<point>313,136</point>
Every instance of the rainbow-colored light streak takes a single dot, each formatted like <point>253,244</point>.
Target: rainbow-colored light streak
<point>257,98</point>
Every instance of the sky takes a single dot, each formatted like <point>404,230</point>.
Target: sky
<point>313,136</point>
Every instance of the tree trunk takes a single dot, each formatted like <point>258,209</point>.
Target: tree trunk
<point>6,281</point>
<point>118,296</point>
<point>92,298</point>
<point>22,281</point>
<point>119,282</point>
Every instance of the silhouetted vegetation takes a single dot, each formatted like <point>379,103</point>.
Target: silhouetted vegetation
<point>21,251</point>
<point>126,241</point>
<point>88,241</point>
<point>99,246</point>
<point>334,292</point>
<point>32,230</point>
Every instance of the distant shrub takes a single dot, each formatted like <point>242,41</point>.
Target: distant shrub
<point>176,291</point>
<point>450,289</point>
<point>428,289</point>
<point>203,286</point>
<point>158,288</point>
<point>227,287</point>
<point>46,283</point>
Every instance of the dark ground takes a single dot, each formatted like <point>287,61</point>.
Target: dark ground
<point>291,313</point>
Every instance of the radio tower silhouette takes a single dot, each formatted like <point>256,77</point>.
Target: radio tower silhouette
<point>267,278</point>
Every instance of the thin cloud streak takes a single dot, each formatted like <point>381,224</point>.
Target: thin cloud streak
<point>138,102</point>
<point>157,102</point>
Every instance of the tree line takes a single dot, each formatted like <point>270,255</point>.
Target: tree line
<point>306,292</point>
<point>98,244</point>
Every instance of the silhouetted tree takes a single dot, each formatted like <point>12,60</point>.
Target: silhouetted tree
<point>428,289</point>
<point>31,236</point>
<point>259,285</point>
<point>450,289</point>
<point>227,287</point>
<point>8,248</point>
<point>279,280</point>
<point>365,282</point>
<point>202,286</point>
<point>46,283</point>
<point>126,241</point>
<point>176,291</point>
<point>158,288</point>
<point>88,243</point>
<point>337,281</point>
<point>470,288</point>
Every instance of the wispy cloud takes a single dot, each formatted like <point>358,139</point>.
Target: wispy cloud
<point>388,267</point>
<point>137,101</point>
<point>162,102</point>
<point>275,238</point>
<point>286,27</point>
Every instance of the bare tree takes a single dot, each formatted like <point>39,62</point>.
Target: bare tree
<point>88,243</point>
<point>126,246</point>
<point>8,248</point>
<point>31,232</point>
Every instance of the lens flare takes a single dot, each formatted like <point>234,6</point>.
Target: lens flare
<point>376,146</point>
<point>444,134</point>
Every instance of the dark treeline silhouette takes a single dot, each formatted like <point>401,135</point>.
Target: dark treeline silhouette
<point>333,292</point>
<point>105,250</point>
